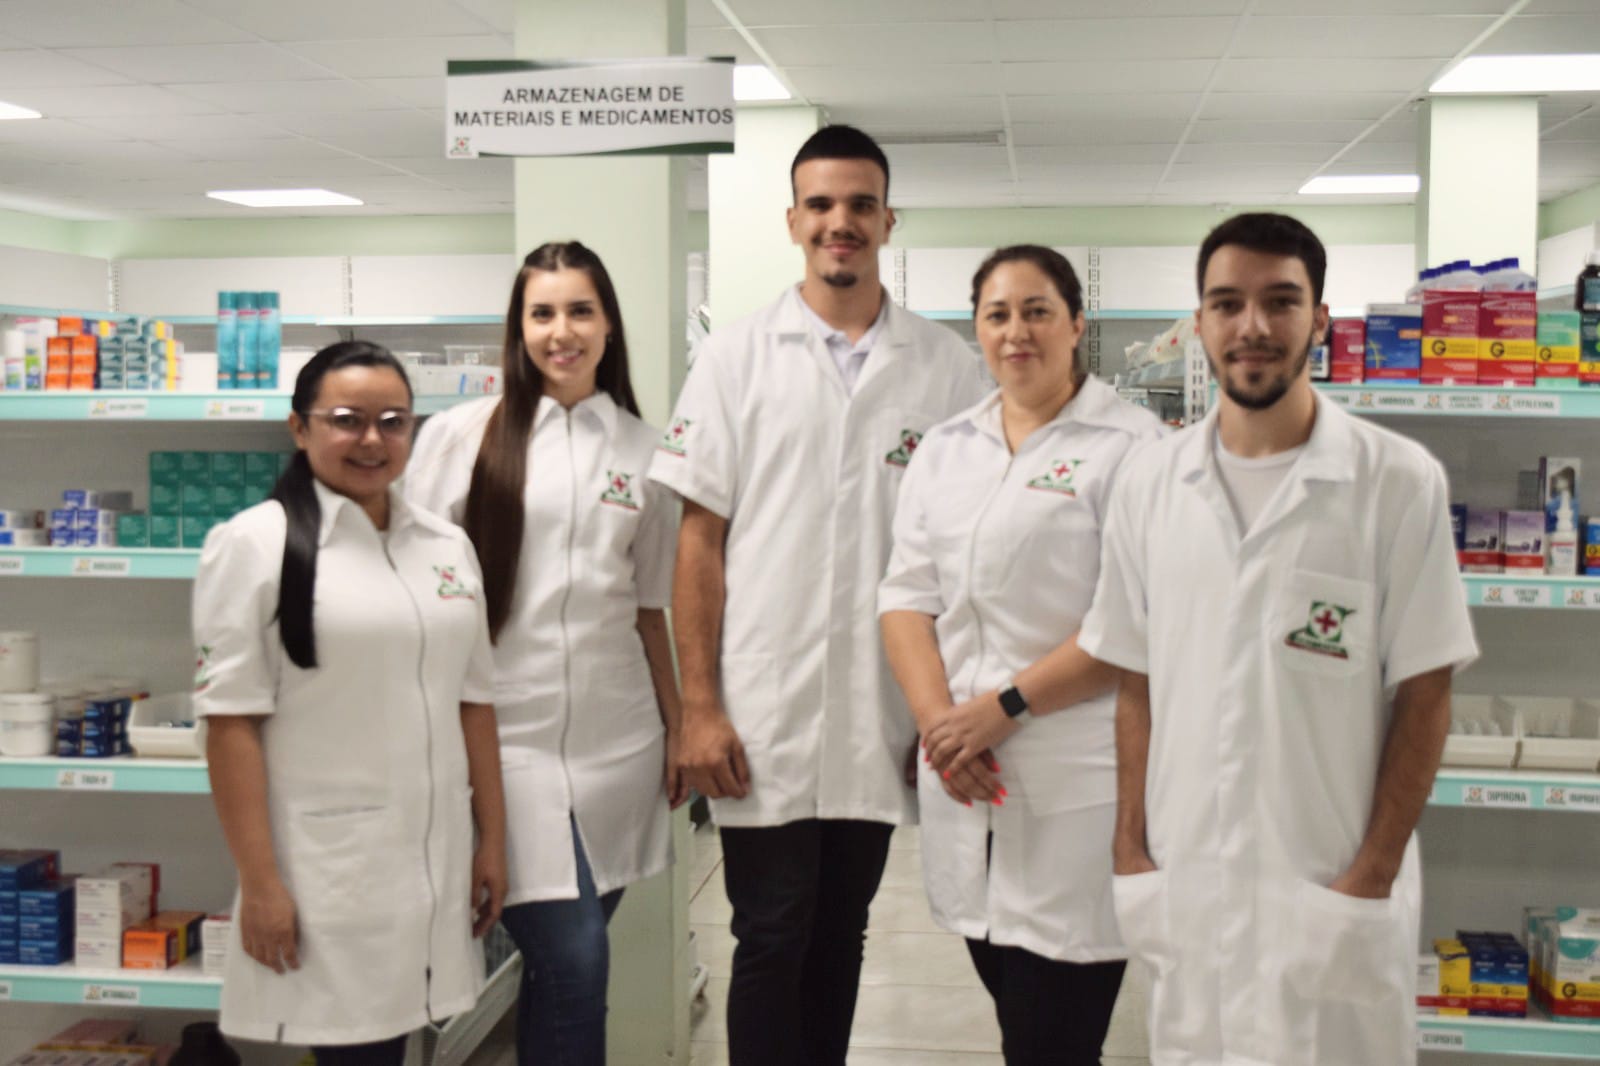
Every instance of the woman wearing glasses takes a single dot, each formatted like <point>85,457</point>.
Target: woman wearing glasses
<point>577,551</point>
<point>344,670</point>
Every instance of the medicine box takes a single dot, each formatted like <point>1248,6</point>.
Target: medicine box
<point>194,528</point>
<point>195,466</point>
<point>117,888</point>
<point>149,947</point>
<point>1394,342</point>
<point>133,531</point>
<point>1348,351</point>
<point>165,531</point>
<point>27,868</point>
<point>1508,328</point>
<point>92,1033</point>
<point>227,468</point>
<point>97,952</point>
<point>1481,551</point>
<point>1557,350</point>
<point>43,953</point>
<point>1522,540</point>
<point>1450,336</point>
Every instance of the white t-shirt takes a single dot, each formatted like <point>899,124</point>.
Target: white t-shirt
<point>848,357</point>
<point>1250,483</point>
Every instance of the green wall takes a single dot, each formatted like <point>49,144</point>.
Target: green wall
<point>1581,208</point>
<point>1127,226</point>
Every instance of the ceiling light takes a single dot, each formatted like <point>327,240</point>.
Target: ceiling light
<point>1522,74</point>
<point>753,81</point>
<point>13,111</point>
<point>284,198</point>
<point>1361,184</point>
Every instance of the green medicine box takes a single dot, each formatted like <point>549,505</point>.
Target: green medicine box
<point>196,498</point>
<point>165,498</point>
<point>166,468</point>
<point>227,500</point>
<point>228,468</point>
<point>165,531</point>
<point>259,466</point>
<point>195,467</point>
<point>194,529</point>
<point>133,531</point>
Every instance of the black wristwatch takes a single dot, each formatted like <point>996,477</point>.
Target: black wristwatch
<point>1012,702</point>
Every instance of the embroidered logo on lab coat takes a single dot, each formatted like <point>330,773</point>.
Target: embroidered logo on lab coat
<point>202,668</point>
<point>676,437</point>
<point>909,439</point>
<point>1324,632</point>
<point>619,490</point>
<point>451,587</point>
<point>1058,478</point>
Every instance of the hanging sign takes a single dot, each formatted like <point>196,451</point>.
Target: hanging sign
<point>673,105</point>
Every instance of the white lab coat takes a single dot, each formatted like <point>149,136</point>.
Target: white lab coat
<point>580,731</point>
<point>766,436</point>
<point>367,787</point>
<point>1003,551</point>
<point>1273,660</point>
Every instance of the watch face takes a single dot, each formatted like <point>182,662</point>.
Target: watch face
<point>1012,703</point>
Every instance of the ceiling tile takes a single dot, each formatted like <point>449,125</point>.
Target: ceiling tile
<point>121,153</point>
<point>498,15</point>
<point>1300,105</point>
<point>1133,9</point>
<point>1100,154</point>
<point>399,57</point>
<point>1388,157</point>
<point>37,68</point>
<point>337,94</point>
<point>103,101</point>
<point>448,170</point>
<point>1097,131</point>
<point>1056,40</point>
<point>180,63</point>
<point>911,83</point>
<point>945,158</point>
<point>92,23</point>
<point>938,112</point>
<point>411,92</point>
<point>374,133</point>
<point>248,148</point>
<point>719,40</point>
<point>1131,76</point>
<point>1064,107</point>
<point>761,13</point>
<point>1546,34</point>
<point>184,127</point>
<point>702,13</point>
<point>1236,154</point>
<point>1208,131</point>
<point>1335,75</point>
<point>319,20</point>
<point>885,44</point>
<point>45,130</point>
<point>1382,7</point>
<point>1365,37</point>
<point>1559,7</point>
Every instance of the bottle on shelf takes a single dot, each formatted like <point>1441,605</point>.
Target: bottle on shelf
<point>1586,291</point>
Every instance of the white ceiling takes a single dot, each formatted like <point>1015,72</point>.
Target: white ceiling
<point>149,103</point>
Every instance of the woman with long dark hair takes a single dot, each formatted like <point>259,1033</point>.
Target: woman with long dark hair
<point>344,670</point>
<point>577,552</point>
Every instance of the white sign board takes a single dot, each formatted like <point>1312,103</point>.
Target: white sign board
<point>668,106</point>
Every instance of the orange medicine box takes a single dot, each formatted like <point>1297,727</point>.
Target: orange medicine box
<point>69,326</point>
<point>147,946</point>
<point>1450,336</point>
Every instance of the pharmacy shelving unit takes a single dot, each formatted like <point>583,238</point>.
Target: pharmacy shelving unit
<point>1535,1038</point>
<point>124,774</point>
<point>1377,398</point>
<point>109,406</point>
<point>184,987</point>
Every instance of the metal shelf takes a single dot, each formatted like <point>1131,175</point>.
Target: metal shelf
<point>123,774</point>
<point>1524,790</point>
<point>157,563</point>
<point>1511,590</point>
<point>288,320</point>
<point>1378,398</point>
<point>1538,1037</point>
<point>184,987</point>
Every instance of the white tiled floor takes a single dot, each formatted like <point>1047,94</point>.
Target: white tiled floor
<point>920,1004</point>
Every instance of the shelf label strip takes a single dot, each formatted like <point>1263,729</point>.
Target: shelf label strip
<point>5,991</point>
<point>1442,1040</point>
<point>1564,797</point>
<point>236,410</point>
<point>1515,797</point>
<point>86,780</point>
<point>119,408</point>
<point>12,564</point>
<point>118,995</point>
<point>108,566</point>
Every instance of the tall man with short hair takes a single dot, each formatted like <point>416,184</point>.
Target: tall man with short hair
<point>1279,587</point>
<point>787,447</point>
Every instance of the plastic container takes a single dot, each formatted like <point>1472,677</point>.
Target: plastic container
<point>1586,290</point>
<point>227,342</point>
<point>1483,732</point>
<point>19,661</point>
<point>269,341</point>
<point>1557,733</point>
<point>27,724</point>
<point>155,733</point>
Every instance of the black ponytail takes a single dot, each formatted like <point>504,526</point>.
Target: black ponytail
<point>296,492</point>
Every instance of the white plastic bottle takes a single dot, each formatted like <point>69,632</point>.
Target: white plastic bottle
<point>1506,275</point>
<point>1561,543</point>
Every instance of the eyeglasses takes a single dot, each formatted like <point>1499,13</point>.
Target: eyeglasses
<point>350,422</point>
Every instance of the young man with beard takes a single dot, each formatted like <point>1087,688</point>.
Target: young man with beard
<point>787,447</point>
<point>1279,587</point>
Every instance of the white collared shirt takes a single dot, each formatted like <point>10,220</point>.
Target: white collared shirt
<point>366,763</point>
<point>849,356</point>
<point>1273,657</point>
<point>766,435</point>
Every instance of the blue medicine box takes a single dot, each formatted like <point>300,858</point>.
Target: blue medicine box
<point>47,901</point>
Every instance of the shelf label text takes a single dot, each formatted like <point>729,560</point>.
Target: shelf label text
<point>87,780</point>
<point>123,407</point>
<point>120,995</point>
<point>10,564</point>
<point>1513,796</point>
<point>109,566</point>
<point>1442,1040</point>
<point>5,991</point>
<point>236,410</point>
<point>1572,799</point>
<point>1584,596</point>
<point>1516,595</point>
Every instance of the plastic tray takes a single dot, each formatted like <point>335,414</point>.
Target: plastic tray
<point>1578,749</point>
<point>152,740</point>
<point>1497,752</point>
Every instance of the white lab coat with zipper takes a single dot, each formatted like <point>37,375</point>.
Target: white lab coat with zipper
<point>805,471</point>
<point>367,787</point>
<point>580,730</point>
<point>1273,658</point>
<point>1003,551</point>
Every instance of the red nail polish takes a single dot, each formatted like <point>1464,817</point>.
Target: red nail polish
<point>945,775</point>
<point>998,802</point>
<point>1004,793</point>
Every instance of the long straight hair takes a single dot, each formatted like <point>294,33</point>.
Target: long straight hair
<point>494,516</point>
<point>296,492</point>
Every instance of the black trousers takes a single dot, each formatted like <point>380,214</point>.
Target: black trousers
<point>800,894</point>
<point>383,1053</point>
<point>1051,1013</point>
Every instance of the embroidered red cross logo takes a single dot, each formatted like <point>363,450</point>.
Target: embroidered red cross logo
<point>1326,621</point>
<point>447,573</point>
<point>1061,469</point>
<point>618,484</point>
<point>909,440</point>
<point>677,429</point>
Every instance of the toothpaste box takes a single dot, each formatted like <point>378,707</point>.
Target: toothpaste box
<point>1557,350</point>
<point>1508,330</point>
<point>1522,541</point>
<point>1394,342</point>
<point>1480,543</point>
<point>1450,336</point>
<point>1348,351</point>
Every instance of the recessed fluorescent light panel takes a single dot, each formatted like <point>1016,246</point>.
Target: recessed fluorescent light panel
<point>15,111</point>
<point>1522,74</point>
<point>284,198</point>
<point>1361,185</point>
<point>753,82</point>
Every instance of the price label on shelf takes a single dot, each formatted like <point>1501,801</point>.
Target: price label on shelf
<point>1514,797</point>
<point>5,991</point>
<point>111,995</point>
<point>101,566</point>
<point>1566,798</point>
<point>1342,399</point>
<point>11,564</point>
<point>1460,402</point>
<point>1516,595</point>
<point>122,407</point>
<point>1401,400</point>
<point>236,410</point>
<point>1546,404</point>
<point>87,780</point>
<point>1586,597</point>
<point>1441,1040</point>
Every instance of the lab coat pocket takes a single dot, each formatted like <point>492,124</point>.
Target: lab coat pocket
<point>1141,905</point>
<point>1343,947</point>
<point>1323,624</point>
<point>343,866</point>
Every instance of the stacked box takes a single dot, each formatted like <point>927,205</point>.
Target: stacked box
<point>1522,536</point>
<point>163,941</point>
<point>22,872</point>
<point>1568,943</point>
<point>1481,547</point>
<point>1508,330</point>
<point>1450,319</point>
<point>1557,350</point>
<point>1394,343</point>
<point>58,363</point>
<point>1498,974</point>
<point>191,492</point>
<point>104,733</point>
<point>215,932</point>
<point>1348,355</point>
<point>109,904</point>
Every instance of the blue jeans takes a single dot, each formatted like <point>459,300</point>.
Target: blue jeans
<point>566,962</point>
